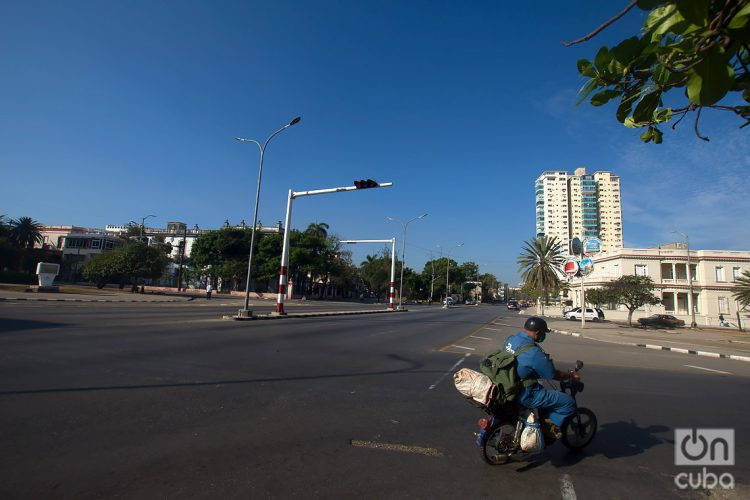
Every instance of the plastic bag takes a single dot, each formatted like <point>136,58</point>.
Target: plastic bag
<point>474,385</point>
<point>531,436</point>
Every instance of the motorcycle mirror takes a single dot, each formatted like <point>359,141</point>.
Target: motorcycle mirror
<point>579,365</point>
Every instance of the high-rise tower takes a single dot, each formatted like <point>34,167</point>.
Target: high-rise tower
<point>583,205</point>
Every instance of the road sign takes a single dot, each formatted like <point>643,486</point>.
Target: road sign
<point>592,246</point>
<point>586,266</point>
<point>570,267</point>
<point>576,246</point>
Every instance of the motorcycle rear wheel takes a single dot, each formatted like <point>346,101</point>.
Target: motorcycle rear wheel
<point>499,446</point>
<point>579,429</point>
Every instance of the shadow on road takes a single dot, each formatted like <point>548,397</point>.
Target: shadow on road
<point>17,325</point>
<point>412,367</point>
<point>613,440</point>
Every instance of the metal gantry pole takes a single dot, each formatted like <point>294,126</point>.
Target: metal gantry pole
<point>403,253</point>
<point>283,271</point>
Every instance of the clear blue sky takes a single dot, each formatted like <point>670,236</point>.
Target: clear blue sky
<point>110,111</point>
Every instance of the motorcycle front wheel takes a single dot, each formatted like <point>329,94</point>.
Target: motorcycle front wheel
<point>580,429</point>
<point>499,446</point>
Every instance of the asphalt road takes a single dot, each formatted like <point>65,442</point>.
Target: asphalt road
<point>169,401</point>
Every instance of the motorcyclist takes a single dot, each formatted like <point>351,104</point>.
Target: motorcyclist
<point>534,363</point>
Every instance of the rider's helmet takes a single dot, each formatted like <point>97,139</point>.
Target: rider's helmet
<point>537,325</point>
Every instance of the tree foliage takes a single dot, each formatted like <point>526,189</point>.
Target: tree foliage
<point>698,48</point>
<point>136,261</point>
<point>742,289</point>
<point>632,292</point>
<point>539,264</point>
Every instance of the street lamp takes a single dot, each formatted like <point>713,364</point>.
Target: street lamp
<point>403,253</point>
<point>245,312</point>
<point>143,222</point>
<point>693,324</point>
<point>447,272</point>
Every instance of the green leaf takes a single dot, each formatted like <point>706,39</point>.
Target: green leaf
<point>644,111</point>
<point>652,134</point>
<point>604,97</point>
<point>695,11</point>
<point>662,115</point>
<point>602,59</point>
<point>629,122</point>
<point>740,19</point>
<point>587,89</point>
<point>623,110</point>
<point>661,21</point>
<point>586,68</point>
<point>746,95</point>
<point>711,79</point>
<point>627,50</point>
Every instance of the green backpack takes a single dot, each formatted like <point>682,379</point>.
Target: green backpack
<point>500,367</point>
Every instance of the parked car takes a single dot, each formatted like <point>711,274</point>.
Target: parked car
<point>470,302</point>
<point>512,304</point>
<point>449,301</point>
<point>591,314</point>
<point>661,320</point>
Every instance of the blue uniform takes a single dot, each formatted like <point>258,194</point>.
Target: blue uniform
<point>534,363</point>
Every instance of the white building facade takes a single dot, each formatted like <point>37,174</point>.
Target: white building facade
<point>713,275</point>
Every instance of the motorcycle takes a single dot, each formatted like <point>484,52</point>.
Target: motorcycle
<point>500,435</point>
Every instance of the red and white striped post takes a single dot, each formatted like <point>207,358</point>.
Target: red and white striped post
<point>283,270</point>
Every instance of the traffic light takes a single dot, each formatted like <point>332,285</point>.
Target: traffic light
<point>364,184</point>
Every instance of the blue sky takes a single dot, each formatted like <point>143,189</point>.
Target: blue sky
<point>112,111</point>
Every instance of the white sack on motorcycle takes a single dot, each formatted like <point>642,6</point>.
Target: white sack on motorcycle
<point>474,385</point>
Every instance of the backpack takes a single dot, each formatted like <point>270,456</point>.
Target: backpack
<point>500,367</point>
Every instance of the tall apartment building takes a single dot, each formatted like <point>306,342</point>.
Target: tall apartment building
<point>583,205</point>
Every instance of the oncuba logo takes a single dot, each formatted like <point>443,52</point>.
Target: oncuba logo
<point>714,447</point>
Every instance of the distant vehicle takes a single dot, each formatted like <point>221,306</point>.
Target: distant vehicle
<point>512,304</point>
<point>575,314</point>
<point>661,320</point>
<point>449,301</point>
<point>470,302</point>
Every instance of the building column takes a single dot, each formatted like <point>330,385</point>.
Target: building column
<point>676,305</point>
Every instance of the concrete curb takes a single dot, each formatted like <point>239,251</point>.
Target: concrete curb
<point>679,350</point>
<point>311,314</point>
<point>89,300</point>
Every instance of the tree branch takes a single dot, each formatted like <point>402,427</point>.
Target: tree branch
<point>603,26</point>
<point>695,126</point>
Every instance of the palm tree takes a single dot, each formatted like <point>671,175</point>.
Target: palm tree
<point>539,263</point>
<point>742,289</point>
<point>319,229</point>
<point>26,232</point>
<point>3,226</point>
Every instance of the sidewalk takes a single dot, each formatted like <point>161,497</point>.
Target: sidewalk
<point>712,342</point>
<point>82,294</point>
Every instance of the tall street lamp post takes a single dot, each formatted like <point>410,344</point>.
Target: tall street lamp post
<point>693,324</point>
<point>403,253</point>
<point>447,273</point>
<point>143,222</point>
<point>246,312</point>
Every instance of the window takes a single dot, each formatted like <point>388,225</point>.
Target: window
<point>736,272</point>
<point>720,274</point>
<point>109,245</point>
<point>96,244</point>
<point>723,305</point>
<point>641,270</point>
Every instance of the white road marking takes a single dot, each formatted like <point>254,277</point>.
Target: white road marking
<point>478,337</point>
<point>456,365</point>
<point>493,329</point>
<point>501,324</point>
<point>566,488</point>
<point>464,347</point>
<point>381,333</point>
<point>421,450</point>
<point>707,369</point>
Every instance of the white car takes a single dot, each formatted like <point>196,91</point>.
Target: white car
<point>575,314</point>
<point>449,301</point>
